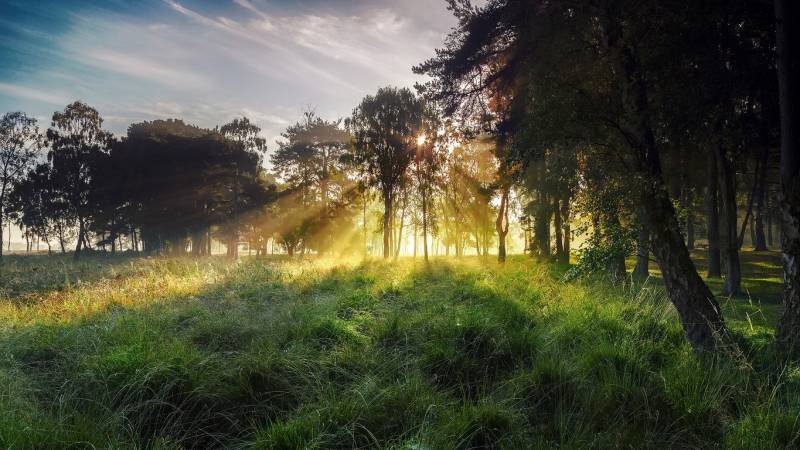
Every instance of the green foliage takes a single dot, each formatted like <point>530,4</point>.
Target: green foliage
<point>276,354</point>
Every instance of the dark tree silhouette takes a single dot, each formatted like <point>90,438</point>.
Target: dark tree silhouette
<point>20,143</point>
<point>385,128</point>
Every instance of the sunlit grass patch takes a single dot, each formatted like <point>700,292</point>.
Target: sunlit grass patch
<point>279,353</point>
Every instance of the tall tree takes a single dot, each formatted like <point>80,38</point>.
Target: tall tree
<point>247,135</point>
<point>76,136</point>
<point>428,162</point>
<point>385,128</point>
<point>310,161</point>
<point>510,42</point>
<point>787,13</point>
<point>20,143</point>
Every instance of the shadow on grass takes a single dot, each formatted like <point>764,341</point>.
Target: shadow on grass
<point>300,354</point>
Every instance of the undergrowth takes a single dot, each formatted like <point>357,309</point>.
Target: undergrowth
<point>282,354</point>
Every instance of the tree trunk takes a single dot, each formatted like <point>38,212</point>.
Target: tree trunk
<point>80,239</point>
<point>558,227</point>
<point>751,196</point>
<point>787,13</point>
<point>416,232</point>
<point>364,218</point>
<point>399,242</point>
<point>760,242</point>
<point>1,230</point>
<point>501,225</point>
<point>387,224</point>
<point>698,309</point>
<point>770,240</point>
<point>425,227</point>
<point>730,249</point>
<point>565,219</point>
<point>690,224</point>
<point>714,263</point>
<point>541,226</point>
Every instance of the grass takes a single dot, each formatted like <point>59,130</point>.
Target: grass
<point>284,354</point>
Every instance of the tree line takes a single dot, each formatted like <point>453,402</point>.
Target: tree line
<point>622,108</point>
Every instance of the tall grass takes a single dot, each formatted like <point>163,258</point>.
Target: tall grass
<point>272,354</point>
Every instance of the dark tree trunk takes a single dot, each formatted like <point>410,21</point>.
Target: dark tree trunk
<point>558,228</point>
<point>616,264</point>
<point>787,13</point>
<point>770,240</point>
<point>690,225</point>
<point>748,216</point>
<point>425,226</point>
<point>1,230</point>
<point>541,226</point>
<point>501,225</point>
<point>698,309</point>
<point>80,239</point>
<point>714,264</point>
<point>730,249</point>
<point>760,241</point>
<point>387,225</point>
<point>565,218</point>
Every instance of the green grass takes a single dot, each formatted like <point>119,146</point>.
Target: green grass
<point>283,354</point>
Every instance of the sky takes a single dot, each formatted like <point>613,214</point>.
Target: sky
<point>208,61</point>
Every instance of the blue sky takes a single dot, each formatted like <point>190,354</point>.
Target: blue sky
<point>209,61</point>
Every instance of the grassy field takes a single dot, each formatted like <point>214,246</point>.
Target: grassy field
<point>279,354</point>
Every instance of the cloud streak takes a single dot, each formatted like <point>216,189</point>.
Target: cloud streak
<point>22,92</point>
<point>207,62</point>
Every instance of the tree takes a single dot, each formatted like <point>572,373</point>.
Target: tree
<point>597,57</point>
<point>428,162</point>
<point>310,161</point>
<point>787,13</point>
<point>246,135</point>
<point>76,137</point>
<point>20,143</point>
<point>181,181</point>
<point>385,129</point>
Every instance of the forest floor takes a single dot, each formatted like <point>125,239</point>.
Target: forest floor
<point>273,353</point>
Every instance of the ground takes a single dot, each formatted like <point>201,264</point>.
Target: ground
<point>130,352</point>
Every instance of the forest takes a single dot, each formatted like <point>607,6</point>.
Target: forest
<point>580,229</point>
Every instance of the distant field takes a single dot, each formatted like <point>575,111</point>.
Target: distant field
<point>282,354</point>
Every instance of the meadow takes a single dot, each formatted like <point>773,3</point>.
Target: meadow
<point>276,353</point>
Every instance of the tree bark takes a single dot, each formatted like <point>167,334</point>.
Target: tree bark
<point>501,225</point>
<point>565,218</point>
<point>425,226</point>
<point>80,239</point>
<point>387,224</point>
<point>698,309</point>
<point>751,196</point>
<point>541,226</point>
<point>769,230</point>
<point>730,249</point>
<point>714,262</point>
<point>690,225</point>
<point>760,243</point>
<point>1,229</point>
<point>558,227</point>
<point>787,13</point>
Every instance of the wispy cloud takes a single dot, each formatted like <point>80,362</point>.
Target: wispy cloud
<point>208,62</point>
<point>23,92</point>
<point>145,68</point>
